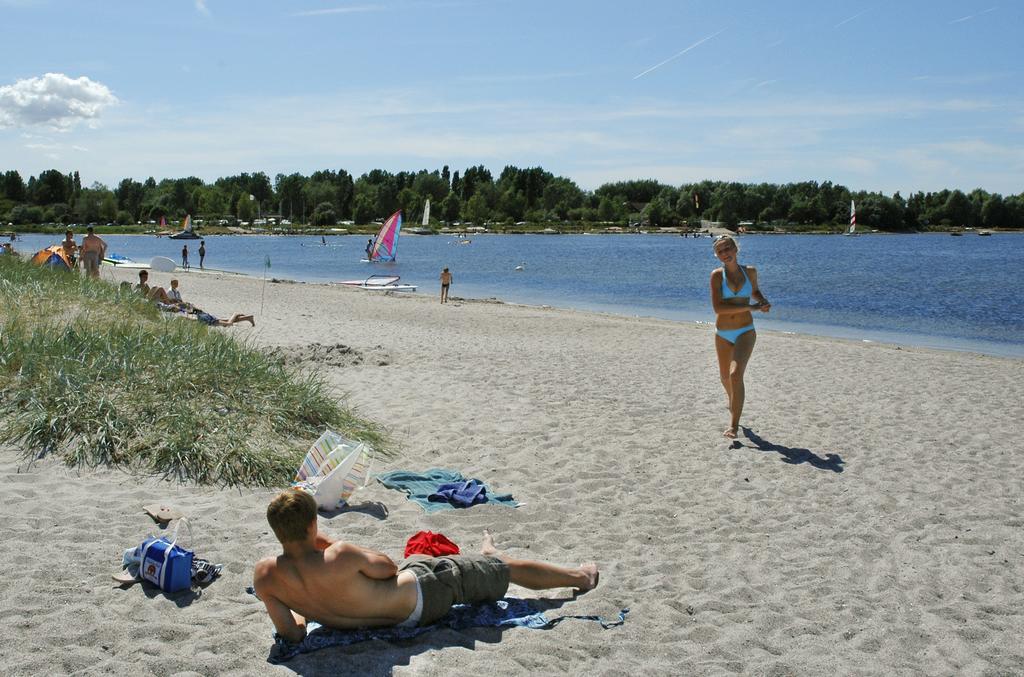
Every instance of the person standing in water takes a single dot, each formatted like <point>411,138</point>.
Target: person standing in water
<point>202,253</point>
<point>732,287</point>
<point>184,257</point>
<point>446,281</point>
<point>369,249</point>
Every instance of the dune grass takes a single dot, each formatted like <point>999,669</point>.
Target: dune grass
<point>98,376</point>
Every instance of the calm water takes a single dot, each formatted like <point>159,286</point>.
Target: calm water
<point>924,290</point>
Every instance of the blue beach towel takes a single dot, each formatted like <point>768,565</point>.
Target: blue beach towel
<point>460,494</point>
<point>507,612</point>
<point>420,486</point>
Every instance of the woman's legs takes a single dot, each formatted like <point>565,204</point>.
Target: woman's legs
<point>732,365</point>
<point>239,317</point>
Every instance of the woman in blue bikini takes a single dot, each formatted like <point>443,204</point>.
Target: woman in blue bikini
<point>732,287</point>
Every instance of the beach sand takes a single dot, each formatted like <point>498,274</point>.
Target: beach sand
<point>868,523</point>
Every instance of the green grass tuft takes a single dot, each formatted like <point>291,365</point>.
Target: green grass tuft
<point>98,376</point>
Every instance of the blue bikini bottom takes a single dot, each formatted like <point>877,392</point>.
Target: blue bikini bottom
<point>731,335</point>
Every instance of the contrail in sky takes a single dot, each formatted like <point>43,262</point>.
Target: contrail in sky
<point>676,56</point>
<point>846,21</point>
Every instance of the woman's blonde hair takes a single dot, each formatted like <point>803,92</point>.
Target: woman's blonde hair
<point>724,238</point>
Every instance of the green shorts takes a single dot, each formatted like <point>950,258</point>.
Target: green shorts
<point>457,579</point>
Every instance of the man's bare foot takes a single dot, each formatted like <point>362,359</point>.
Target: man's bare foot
<point>730,433</point>
<point>487,547</point>
<point>590,570</point>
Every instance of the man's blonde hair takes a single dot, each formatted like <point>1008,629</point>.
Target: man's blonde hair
<point>290,513</point>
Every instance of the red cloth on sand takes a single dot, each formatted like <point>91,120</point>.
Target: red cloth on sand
<point>429,543</point>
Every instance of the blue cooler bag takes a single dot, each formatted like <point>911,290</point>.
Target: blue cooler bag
<point>165,563</point>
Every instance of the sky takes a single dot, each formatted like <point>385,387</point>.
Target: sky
<point>904,95</point>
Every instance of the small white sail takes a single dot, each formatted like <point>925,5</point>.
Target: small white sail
<point>426,213</point>
<point>853,219</point>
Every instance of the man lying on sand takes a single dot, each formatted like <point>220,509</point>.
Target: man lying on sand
<point>342,585</point>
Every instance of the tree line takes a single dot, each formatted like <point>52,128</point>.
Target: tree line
<point>530,195</point>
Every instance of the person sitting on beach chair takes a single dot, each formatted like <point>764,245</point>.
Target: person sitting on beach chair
<point>341,585</point>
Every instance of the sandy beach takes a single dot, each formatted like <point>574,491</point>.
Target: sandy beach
<point>868,522</point>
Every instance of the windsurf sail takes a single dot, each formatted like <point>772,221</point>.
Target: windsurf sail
<point>853,218</point>
<point>163,222</point>
<point>426,213</point>
<point>186,225</point>
<point>385,245</point>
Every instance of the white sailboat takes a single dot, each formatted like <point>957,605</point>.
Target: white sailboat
<point>424,227</point>
<point>853,220</point>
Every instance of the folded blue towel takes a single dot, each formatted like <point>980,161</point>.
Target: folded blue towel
<point>419,487</point>
<point>460,494</point>
<point>508,612</point>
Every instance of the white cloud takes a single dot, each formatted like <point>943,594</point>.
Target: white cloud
<point>202,8</point>
<point>53,100</point>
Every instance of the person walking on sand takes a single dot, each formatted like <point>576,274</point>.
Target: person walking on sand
<point>732,287</point>
<point>446,281</point>
<point>93,250</point>
<point>342,585</point>
<point>202,253</point>
<point>184,257</point>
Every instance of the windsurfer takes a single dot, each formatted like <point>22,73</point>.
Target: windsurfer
<point>732,287</point>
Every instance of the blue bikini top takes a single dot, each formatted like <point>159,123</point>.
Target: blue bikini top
<point>746,290</point>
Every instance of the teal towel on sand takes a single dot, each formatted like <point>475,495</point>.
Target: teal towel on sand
<point>419,485</point>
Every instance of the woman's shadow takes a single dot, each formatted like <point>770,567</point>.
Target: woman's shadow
<point>791,455</point>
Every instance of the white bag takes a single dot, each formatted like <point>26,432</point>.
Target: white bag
<point>333,469</point>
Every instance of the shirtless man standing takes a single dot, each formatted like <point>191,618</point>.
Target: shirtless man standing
<point>70,247</point>
<point>93,250</point>
<point>342,585</point>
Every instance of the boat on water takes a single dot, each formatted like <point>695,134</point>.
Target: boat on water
<point>984,233</point>
<point>186,231</point>
<point>385,246</point>
<point>380,283</point>
<point>852,230</point>
<point>424,227</point>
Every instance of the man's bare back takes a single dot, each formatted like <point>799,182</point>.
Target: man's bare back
<point>342,586</point>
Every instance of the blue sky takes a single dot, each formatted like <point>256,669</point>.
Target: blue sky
<point>914,95</point>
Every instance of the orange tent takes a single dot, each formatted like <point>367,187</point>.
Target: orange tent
<point>52,257</point>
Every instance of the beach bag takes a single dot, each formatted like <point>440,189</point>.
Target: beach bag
<point>333,469</point>
<point>165,563</point>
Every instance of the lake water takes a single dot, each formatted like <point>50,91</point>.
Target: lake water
<point>924,290</point>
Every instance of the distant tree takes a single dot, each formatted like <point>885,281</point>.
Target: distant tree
<point>451,205</point>
<point>50,187</point>
<point>475,210</point>
<point>324,214</point>
<point>363,209</point>
<point>410,202</point>
<point>512,204</point>
<point>995,213</point>
<point>245,208</point>
<point>13,186</point>
<point>129,194</point>
<point>957,209</point>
